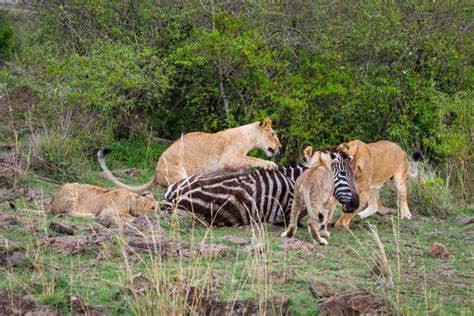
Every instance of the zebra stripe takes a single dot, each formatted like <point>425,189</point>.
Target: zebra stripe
<point>234,199</point>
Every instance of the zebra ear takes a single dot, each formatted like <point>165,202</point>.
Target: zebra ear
<point>333,155</point>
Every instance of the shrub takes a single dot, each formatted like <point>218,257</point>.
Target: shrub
<point>57,157</point>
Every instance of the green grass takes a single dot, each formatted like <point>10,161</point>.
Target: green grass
<point>51,278</point>
<point>345,264</point>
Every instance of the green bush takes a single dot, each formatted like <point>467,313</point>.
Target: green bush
<point>7,38</point>
<point>62,159</point>
<point>324,73</point>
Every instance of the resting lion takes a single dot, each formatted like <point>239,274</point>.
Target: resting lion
<point>373,165</point>
<point>202,153</point>
<point>89,200</point>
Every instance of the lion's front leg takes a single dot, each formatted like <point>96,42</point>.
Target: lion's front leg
<point>244,162</point>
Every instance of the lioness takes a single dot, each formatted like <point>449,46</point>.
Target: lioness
<point>89,200</point>
<point>202,153</point>
<point>314,189</point>
<point>373,165</point>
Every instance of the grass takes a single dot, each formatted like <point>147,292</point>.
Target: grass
<point>419,284</point>
<point>346,263</point>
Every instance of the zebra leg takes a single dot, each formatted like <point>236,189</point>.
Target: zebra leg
<point>295,212</point>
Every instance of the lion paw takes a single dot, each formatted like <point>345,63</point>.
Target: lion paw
<point>271,165</point>
<point>406,216</point>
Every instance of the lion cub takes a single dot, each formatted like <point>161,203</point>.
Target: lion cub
<point>89,200</point>
<point>314,189</point>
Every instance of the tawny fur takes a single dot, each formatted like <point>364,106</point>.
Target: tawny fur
<point>203,153</point>
<point>314,190</point>
<point>89,200</point>
<point>373,165</point>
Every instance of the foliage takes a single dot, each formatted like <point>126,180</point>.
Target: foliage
<point>325,72</point>
<point>7,38</point>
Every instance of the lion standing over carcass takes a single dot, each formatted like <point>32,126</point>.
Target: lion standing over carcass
<point>202,153</point>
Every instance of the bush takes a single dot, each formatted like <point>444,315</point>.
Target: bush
<point>59,158</point>
<point>7,38</point>
<point>429,194</point>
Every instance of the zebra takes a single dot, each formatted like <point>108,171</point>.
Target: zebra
<point>244,198</point>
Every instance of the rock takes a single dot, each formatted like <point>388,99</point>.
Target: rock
<point>354,303</point>
<point>274,306</point>
<point>141,224</point>
<point>305,248</point>
<point>321,290</point>
<point>464,220</point>
<point>164,246</point>
<point>10,254</point>
<point>439,250</point>
<point>213,250</point>
<point>73,245</point>
<point>238,240</point>
<point>7,220</point>
<point>14,304</point>
<point>80,309</point>
<point>62,228</point>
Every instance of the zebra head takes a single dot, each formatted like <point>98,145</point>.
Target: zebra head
<point>345,189</point>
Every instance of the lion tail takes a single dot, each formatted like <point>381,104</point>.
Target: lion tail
<point>417,156</point>
<point>136,189</point>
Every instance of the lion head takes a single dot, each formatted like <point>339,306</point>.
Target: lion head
<point>144,204</point>
<point>267,139</point>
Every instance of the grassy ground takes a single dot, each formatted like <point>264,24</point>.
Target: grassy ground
<point>421,283</point>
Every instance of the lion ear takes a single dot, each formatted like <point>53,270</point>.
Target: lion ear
<point>267,123</point>
<point>308,152</point>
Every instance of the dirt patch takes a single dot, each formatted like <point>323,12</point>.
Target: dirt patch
<point>62,228</point>
<point>238,240</point>
<point>18,100</point>
<point>283,277</point>
<point>358,303</point>
<point>439,250</point>
<point>79,308</point>
<point>322,290</point>
<point>10,254</point>
<point>7,220</point>
<point>73,245</point>
<point>206,302</point>
<point>14,304</point>
<point>141,224</point>
<point>164,246</point>
<point>304,248</point>
<point>464,220</point>
<point>255,249</point>
<point>214,250</point>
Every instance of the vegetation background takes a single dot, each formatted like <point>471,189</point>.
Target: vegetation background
<point>324,72</point>
<point>128,73</point>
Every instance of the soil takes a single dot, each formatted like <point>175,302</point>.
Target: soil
<point>354,303</point>
<point>14,304</point>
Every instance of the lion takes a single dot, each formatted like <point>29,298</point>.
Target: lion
<point>314,190</point>
<point>204,153</point>
<point>91,201</point>
<point>373,165</point>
